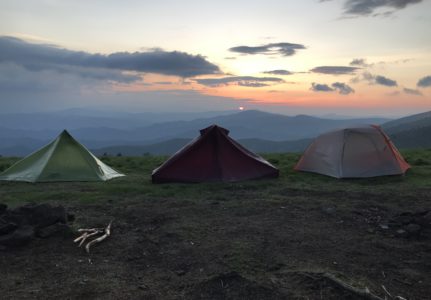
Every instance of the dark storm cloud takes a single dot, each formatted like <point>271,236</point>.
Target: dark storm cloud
<point>342,88</point>
<point>424,82</point>
<point>249,81</point>
<point>317,87</point>
<point>368,7</point>
<point>284,49</point>
<point>412,92</point>
<point>334,70</point>
<point>278,72</point>
<point>382,80</point>
<point>39,57</point>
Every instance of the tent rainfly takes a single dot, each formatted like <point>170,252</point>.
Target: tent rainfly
<point>213,156</point>
<point>64,159</point>
<point>353,152</point>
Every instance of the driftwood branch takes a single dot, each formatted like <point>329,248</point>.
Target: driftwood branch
<point>99,239</point>
<point>365,292</point>
<point>89,232</point>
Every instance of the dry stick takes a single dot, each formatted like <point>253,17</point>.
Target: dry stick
<point>99,239</point>
<point>386,291</point>
<point>360,292</point>
<point>80,237</point>
<point>90,229</point>
<point>87,236</point>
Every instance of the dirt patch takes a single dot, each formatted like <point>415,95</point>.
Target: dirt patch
<point>239,248</point>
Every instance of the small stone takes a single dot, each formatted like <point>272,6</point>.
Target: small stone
<point>403,219</point>
<point>402,233</point>
<point>371,230</point>
<point>384,226</point>
<point>426,220</point>
<point>329,210</point>
<point>8,228</point>
<point>180,272</point>
<point>143,287</point>
<point>413,229</point>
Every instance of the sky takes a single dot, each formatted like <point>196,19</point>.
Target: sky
<point>344,57</point>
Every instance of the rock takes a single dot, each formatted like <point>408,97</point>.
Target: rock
<point>403,219</point>
<point>384,226</point>
<point>57,229</point>
<point>19,237</point>
<point>329,210</point>
<point>42,215</point>
<point>3,208</point>
<point>425,220</point>
<point>413,229</point>
<point>180,272</point>
<point>402,233</point>
<point>8,228</point>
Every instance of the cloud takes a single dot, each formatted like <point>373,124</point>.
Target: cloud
<point>334,70</point>
<point>278,72</point>
<point>412,92</point>
<point>284,49</point>
<point>359,62</point>
<point>424,82</point>
<point>252,84</point>
<point>369,7</point>
<point>341,87</point>
<point>249,81</point>
<point>382,80</point>
<point>317,87</point>
<point>38,57</point>
<point>375,79</point>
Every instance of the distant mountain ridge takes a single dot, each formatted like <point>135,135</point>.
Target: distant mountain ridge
<point>262,131</point>
<point>411,132</point>
<point>171,146</point>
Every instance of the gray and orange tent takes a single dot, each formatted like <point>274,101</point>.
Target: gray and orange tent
<point>364,151</point>
<point>213,156</point>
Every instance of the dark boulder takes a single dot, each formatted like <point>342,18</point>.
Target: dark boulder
<point>7,228</point>
<point>57,229</point>
<point>20,237</point>
<point>413,229</point>
<point>42,215</point>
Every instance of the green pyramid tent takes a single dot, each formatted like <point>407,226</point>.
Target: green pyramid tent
<point>64,159</point>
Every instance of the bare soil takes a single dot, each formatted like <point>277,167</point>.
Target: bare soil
<point>234,244</point>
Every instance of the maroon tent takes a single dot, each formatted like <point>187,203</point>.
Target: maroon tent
<point>213,156</point>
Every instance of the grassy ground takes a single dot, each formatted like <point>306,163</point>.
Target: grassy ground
<point>250,240</point>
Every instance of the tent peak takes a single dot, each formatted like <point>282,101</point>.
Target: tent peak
<point>214,128</point>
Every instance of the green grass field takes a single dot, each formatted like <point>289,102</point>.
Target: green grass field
<point>138,182</point>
